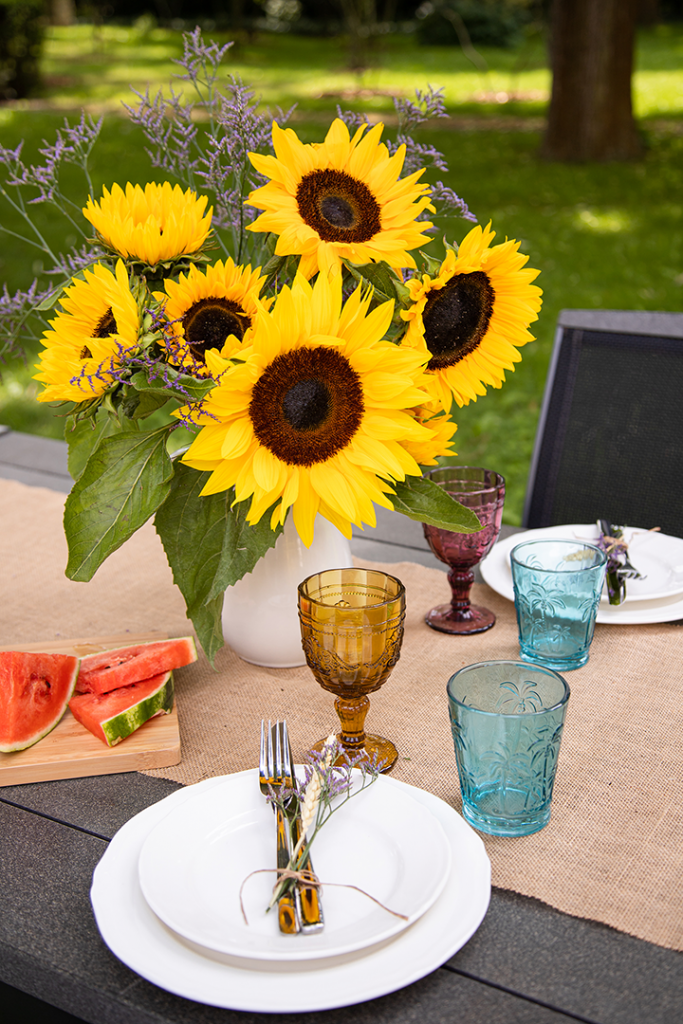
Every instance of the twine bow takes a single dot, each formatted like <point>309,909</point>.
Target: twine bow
<point>309,878</point>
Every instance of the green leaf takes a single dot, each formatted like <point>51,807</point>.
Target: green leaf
<point>425,501</point>
<point>209,546</point>
<point>137,405</point>
<point>430,265</point>
<point>379,275</point>
<point>50,300</point>
<point>208,624</point>
<point>126,479</point>
<point>184,387</point>
<point>273,265</point>
<point>84,437</point>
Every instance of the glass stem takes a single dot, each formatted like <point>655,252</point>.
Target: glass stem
<point>352,712</point>
<point>461,581</point>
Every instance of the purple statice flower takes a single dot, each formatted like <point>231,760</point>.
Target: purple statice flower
<point>429,104</point>
<point>200,62</point>
<point>70,263</point>
<point>12,157</point>
<point>211,152</point>
<point>351,118</point>
<point>15,313</point>
<point>169,128</point>
<point>419,155</point>
<point>226,168</point>
<point>449,204</point>
<point>161,367</point>
<point>72,145</point>
<point>411,115</point>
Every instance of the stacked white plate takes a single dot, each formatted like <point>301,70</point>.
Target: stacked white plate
<point>166,897</point>
<point>658,597</point>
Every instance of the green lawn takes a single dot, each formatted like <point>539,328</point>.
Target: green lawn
<point>608,236</point>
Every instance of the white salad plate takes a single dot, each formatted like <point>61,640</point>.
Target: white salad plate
<point>194,862</point>
<point>141,941</point>
<point>656,598</point>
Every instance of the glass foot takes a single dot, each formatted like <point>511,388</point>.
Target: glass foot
<point>520,824</point>
<point>474,620</point>
<point>547,661</point>
<point>384,750</point>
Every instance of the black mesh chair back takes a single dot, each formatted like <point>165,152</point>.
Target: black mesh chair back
<point>610,438</point>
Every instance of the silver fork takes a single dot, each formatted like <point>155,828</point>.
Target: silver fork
<point>271,777</point>
<point>307,896</point>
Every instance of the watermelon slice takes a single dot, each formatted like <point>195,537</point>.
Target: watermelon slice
<point>34,692</point>
<point>113,716</point>
<point>110,670</point>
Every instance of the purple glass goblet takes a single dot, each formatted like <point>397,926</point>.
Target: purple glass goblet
<point>484,492</point>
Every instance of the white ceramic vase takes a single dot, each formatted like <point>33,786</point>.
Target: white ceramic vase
<point>260,613</point>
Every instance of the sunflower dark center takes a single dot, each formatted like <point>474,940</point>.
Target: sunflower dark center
<point>209,322</point>
<point>106,325</point>
<point>457,317</point>
<point>307,405</point>
<point>339,207</point>
<point>337,212</point>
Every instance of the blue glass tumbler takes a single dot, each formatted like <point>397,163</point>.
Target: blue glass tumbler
<point>557,587</point>
<point>507,719</point>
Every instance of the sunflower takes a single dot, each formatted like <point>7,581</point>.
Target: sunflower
<point>471,316</point>
<point>211,309</point>
<point>318,414</point>
<point>99,318</point>
<point>442,428</point>
<point>340,199</point>
<point>159,222</point>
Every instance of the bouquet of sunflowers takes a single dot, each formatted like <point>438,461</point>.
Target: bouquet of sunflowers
<point>314,363</point>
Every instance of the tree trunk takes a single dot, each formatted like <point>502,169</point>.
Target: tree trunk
<point>591,114</point>
<point>62,12</point>
<point>649,12</point>
<point>360,19</point>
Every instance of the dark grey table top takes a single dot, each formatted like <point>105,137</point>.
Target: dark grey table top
<point>527,964</point>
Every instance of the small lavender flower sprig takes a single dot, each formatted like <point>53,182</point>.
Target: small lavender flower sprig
<point>411,115</point>
<point>327,786</point>
<point>169,367</point>
<point>26,185</point>
<point>205,141</point>
<point>16,312</point>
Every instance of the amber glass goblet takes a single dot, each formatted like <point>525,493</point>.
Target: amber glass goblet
<point>484,492</point>
<point>351,630</point>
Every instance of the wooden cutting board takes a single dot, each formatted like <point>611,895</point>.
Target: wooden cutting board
<point>71,752</point>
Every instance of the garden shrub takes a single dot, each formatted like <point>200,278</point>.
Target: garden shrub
<point>488,22</point>
<point>22,27</point>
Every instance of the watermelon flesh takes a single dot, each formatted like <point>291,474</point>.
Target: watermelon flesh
<point>110,670</point>
<point>34,692</point>
<point>113,716</point>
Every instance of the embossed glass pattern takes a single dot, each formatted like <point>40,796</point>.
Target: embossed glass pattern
<point>351,631</point>
<point>484,492</point>
<point>557,587</point>
<point>507,719</point>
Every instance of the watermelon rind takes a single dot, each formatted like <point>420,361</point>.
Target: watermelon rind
<point>111,670</point>
<point>126,722</point>
<point>12,703</point>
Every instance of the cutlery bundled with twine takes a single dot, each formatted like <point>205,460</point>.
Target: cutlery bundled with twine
<point>299,905</point>
<point>619,568</point>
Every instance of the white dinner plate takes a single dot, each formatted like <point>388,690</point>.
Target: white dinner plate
<point>658,598</point>
<point>141,941</point>
<point>193,864</point>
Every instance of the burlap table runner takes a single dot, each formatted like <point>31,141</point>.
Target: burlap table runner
<point>613,850</point>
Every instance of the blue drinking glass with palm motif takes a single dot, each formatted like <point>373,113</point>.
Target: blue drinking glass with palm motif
<point>557,587</point>
<point>507,719</point>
